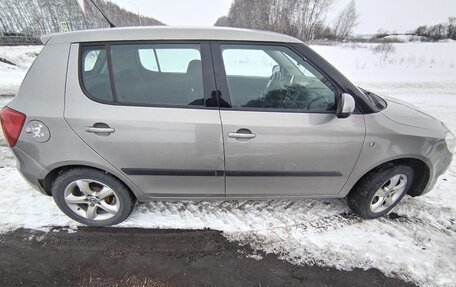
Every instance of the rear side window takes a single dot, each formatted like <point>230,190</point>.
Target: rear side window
<point>149,74</point>
<point>94,73</point>
<point>164,59</point>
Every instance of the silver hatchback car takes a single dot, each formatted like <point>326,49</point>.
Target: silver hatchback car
<point>105,118</point>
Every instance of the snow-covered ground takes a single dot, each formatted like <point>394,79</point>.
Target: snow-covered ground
<point>417,243</point>
<point>11,75</point>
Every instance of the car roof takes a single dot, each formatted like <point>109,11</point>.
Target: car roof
<point>166,33</point>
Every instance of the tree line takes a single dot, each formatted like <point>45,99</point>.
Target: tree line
<point>303,19</point>
<point>439,31</point>
<point>38,17</point>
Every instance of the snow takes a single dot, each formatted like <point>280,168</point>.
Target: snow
<point>410,63</point>
<point>11,75</point>
<point>416,243</point>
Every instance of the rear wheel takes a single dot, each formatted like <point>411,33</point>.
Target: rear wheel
<point>92,197</point>
<point>380,190</point>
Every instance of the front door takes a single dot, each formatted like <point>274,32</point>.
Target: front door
<point>142,107</point>
<point>281,133</point>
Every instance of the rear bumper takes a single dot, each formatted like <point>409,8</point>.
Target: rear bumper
<point>30,170</point>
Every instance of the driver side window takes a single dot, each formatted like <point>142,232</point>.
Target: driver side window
<point>273,77</point>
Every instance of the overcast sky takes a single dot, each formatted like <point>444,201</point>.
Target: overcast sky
<point>397,15</point>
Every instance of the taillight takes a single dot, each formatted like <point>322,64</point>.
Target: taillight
<point>12,123</point>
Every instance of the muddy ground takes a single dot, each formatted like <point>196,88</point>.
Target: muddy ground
<point>142,257</point>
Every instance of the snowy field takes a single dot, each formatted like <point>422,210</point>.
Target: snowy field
<point>416,243</point>
<point>11,75</point>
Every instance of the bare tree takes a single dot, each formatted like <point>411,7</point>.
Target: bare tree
<point>452,27</point>
<point>346,21</point>
<point>298,18</point>
<point>223,21</point>
<point>311,13</point>
<point>253,14</point>
<point>37,17</point>
<point>438,31</point>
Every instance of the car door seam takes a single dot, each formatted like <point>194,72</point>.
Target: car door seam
<point>220,115</point>
<point>359,155</point>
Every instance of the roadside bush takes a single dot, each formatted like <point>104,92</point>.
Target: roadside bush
<point>384,50</point>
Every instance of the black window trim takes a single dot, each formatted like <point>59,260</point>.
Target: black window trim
<point>215,85</point>
<point>222,84</point>
<point>110,73</point>
<point>206,61</point>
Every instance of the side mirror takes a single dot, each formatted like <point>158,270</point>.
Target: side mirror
<point>346,106</point>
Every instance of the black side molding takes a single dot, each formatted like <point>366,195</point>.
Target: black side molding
<point>281,173</point>
<point>174,172</point>
<point>234,173</point>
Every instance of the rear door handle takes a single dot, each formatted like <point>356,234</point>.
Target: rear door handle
<point>99,130</point>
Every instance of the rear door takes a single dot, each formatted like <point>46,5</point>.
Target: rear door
<point>281,133</point>
<point>145,107</point>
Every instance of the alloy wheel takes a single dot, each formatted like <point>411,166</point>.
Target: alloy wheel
<point>389,193</point>
<point>92,199</point>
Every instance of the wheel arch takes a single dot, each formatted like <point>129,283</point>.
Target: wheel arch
<point>421,178</point>
<point>47,182</point>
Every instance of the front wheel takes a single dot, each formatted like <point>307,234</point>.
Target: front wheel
<point>380,190</point>
<point>92,197</point>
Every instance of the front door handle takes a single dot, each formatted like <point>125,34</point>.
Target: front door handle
<point>242,134</point>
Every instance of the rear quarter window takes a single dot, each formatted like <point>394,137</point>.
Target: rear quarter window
<point>94,73</point>
<point>90,59</point>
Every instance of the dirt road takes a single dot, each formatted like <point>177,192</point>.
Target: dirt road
<point>141,257</point>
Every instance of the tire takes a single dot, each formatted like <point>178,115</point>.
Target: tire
<point>378,192</point>
<point>92,197</point>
